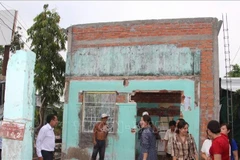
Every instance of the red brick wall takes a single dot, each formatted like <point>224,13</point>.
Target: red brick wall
<point>201,31</point>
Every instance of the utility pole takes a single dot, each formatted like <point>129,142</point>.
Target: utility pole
<point>5,59</point>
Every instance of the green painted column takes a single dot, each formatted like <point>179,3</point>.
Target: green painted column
<point>17,127</point>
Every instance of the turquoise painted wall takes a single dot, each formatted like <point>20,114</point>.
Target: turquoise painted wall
<point>133,60</point>
<point>20,104</point>
<point>123,146</point>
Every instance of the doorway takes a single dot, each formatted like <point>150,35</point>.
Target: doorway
<point>162,106</point>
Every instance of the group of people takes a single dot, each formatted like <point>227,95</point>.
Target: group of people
<point>219,145</point>
<point>179,143</point>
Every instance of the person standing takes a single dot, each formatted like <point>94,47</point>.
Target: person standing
<point>168,139</point>
<point>226,129</point>
<point>100,133</point>
<point>45,143</point>
<point>205,148</point>
<point>184,146</point>
<point>148,149</point>
<point>220,145</point>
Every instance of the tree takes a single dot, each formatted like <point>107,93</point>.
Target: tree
<point>235,72</point>
<point>16,44</point>
<point>47,40</point>
<point>1,57</point>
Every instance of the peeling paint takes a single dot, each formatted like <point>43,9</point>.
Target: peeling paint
<point>148,60</point>
<point>122,144</point>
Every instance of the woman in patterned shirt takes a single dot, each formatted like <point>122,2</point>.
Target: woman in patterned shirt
<point>184,146</point>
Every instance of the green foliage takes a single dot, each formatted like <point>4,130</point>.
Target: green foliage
<point>16,44</point>
<point>47,40</point>
<point>1,58</point>
<point>235,72</point>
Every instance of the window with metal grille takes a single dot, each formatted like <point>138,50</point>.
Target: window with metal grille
<point>96,103</point>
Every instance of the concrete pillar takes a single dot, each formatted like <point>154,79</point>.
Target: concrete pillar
<point>18,122</point>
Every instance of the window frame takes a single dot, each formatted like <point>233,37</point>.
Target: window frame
<point>115,108</point>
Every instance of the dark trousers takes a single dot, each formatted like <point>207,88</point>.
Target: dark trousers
<point>99,147</point>
<point>0,154</point>
<point>47,155</point>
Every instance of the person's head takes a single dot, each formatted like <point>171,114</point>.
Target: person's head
<point>52,120</point>
<point>145,121</point>
<point>104,117</point>
<point>145,113</point>
<point>225,128</point>
<point>172,125</point>
<point>182,128</point>
<point>213,128</point>
<point>179,120</point>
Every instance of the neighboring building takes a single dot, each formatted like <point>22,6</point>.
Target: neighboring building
<point>235,84</point>
<point>167,67</point>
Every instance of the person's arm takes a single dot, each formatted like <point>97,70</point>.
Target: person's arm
<point>194,148</point>
<point>203,150</point>
<point>174,158</point>
<point>217,157</point>
<point>166,145</point>
<point>145,155</point>
<point>235,154</point>
<point>95,134</point>
<point>166,140</point>
<point>235,149</point>
<point>204,156</point>
<point>40,138</point>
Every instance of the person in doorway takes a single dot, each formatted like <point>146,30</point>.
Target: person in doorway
<point>184,146</point>
<point>226,129</point>
<point>148,140</point>
<point>168,139</point>
<point>205,147</point>
<point>100,133</point>
<point>45,143</point>
<point>140,129</point>
<point>220,145</point>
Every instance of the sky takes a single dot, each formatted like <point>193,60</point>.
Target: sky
<point>82,12</point>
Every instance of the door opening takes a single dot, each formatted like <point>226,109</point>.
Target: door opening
<point>162,106</point>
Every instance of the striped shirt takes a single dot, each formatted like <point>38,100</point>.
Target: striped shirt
<point>184,150</point>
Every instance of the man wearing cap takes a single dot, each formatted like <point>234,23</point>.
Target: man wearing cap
<point>100,133</point>
<point>220,144</point>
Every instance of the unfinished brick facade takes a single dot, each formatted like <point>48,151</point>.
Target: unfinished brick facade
<point>196,33</point>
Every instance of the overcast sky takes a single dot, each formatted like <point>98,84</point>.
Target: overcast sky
<point>80,12</point>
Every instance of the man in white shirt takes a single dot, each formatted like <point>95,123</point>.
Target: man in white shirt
<point>168,139</point>
<point>45,143</point>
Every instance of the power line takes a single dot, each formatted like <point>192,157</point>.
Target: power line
<point>18,22</point>
<point>14,32</point>
<point>18,14</point>
<point>13,16</point>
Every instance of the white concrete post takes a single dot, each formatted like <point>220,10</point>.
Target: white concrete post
<point>17,127</point>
